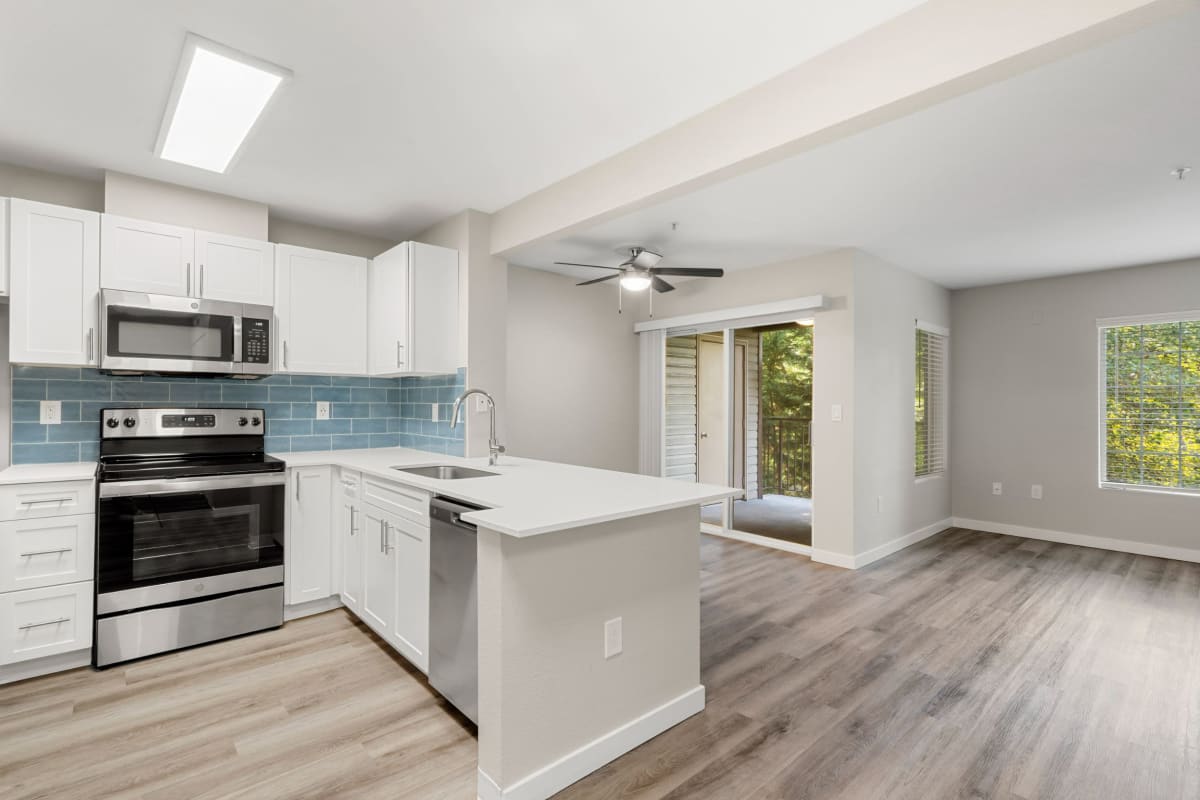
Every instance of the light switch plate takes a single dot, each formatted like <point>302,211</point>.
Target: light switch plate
<point>997,488</point>
<point>836,413</point>
<point>1036,491</point>
<point>51,412</point>
<point>322,409</point>
<point>612,638</point>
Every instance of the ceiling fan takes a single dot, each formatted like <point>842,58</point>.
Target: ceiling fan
<point>640,271</point>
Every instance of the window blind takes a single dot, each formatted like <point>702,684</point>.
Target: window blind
<point>930,403</point>
<point>1151,404</point>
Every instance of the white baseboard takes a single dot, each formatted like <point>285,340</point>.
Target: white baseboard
<point>882,551</point>
<point>312,607</point>
<point>1081,539</point>
<point>754,538</point>
<point>46,665</point>
<point>587,759</point>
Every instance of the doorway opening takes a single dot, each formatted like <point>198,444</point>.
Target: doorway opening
<point>741,415</point>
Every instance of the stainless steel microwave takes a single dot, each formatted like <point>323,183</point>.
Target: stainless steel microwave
<point>160,333</point>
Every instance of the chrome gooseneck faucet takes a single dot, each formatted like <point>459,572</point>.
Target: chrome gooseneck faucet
<point>494,447</point>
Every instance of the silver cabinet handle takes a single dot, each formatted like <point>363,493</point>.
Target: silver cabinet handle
<point>42,502</point>
<point>353,527</point>
<point>297,488</point>
<point>91,337</point>
<point>33,553</point>
<point>189,278</point>
<point>387,535</point>
<point>29,625</point>
<point>399,354</point>
<point>382,546</point>
<point>201,292</point>
<point>285,359</point>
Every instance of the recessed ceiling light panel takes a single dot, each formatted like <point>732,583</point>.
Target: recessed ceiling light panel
<point>218,97</point>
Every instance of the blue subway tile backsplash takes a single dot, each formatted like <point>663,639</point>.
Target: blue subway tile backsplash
<point>365,412</point>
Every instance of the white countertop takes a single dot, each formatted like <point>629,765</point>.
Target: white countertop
<point>527,497</point>
<point>45,473</point>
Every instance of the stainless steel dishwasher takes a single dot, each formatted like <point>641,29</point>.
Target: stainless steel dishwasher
<point>453,606</point>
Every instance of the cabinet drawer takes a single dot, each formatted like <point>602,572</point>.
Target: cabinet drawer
<point>53,499</point>
<point>406,503</point>
<point>347,484</point>
<point>44,622</point>
<point>46,552</point>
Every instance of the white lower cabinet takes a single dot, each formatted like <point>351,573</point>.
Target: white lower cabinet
<point>379,573</point>
<point>307,547</point>
<point>410,633</point>
<point>35,623</point>
<point>348,530</point>
<point>46,551</point>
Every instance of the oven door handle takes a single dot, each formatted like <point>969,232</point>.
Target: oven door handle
<point>187,485</point>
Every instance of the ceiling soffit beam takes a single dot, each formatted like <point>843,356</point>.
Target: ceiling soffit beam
<point>939,50</point>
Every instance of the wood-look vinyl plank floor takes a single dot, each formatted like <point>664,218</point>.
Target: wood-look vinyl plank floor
<point>971,665</point>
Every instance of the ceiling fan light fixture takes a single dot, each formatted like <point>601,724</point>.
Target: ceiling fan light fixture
<point>635,282</point>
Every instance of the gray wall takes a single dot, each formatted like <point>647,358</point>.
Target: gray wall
<point>1024,404</point>
<point>572,373</point>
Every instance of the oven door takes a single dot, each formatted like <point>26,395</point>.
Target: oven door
<point>160,333</point>
<point>163,541</point>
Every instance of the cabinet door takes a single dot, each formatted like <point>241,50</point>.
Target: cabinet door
<point>46,552</point>
<point>55,280</point>
<point>308,544</point>
<point>234,269</point>
<point>379,573</point>
<point>141,256</point>
<point>433,310</point>
<point>388,312</point>
<point>410,633</point>
<point>4,246</point>
<point>350,523</point>
<point>321,312</point>
<point>36,623</point>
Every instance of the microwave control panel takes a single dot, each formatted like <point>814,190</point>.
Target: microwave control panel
<point>256,341</point>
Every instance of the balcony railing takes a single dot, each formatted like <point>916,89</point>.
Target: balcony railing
<point>785,456</point>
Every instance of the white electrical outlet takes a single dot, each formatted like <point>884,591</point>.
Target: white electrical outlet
<point>51,412</point>
<point>997,488</point>
<point>322,409</point>
<point>480,403</point>
<point>612,637</point>
<point>1036,491</point>
<point>836,413</point>
<point>434,413</point>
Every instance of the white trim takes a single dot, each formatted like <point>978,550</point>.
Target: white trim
<point>756,539</point>
<point>896,545</point>
<point>1148,319</point>
<point>922,325</point>
<point>579,763</point>
<point>833,559</point>
<point>1082,540</point>
<point>46,665</point>
<point>726,317</point>
<point>311,607</point>
<point>1149,489</point>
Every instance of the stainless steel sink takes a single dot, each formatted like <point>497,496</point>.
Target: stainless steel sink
<point>445,472</point>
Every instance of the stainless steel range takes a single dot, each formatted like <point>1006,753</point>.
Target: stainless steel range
<point>189,530</point>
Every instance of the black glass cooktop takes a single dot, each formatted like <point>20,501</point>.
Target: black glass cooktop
<point>136,468</point>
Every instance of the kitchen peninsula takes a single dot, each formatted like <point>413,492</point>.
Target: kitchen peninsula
<point>589,608</point>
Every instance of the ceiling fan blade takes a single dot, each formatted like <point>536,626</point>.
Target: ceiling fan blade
<point>573,264</point>
<point>695,272</point>
<point>598,280</point>
<point>660,285</point>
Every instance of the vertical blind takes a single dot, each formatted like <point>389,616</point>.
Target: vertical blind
<point>930,403</point>
<point>1151,417</point>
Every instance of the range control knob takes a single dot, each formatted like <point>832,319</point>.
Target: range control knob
<point>243,422</point>
<point>112,422</point>
<point>256,421</point>
<point>130,422</point>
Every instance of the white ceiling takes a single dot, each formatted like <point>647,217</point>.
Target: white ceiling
<point>399,113</point>
<point>1063,169</point>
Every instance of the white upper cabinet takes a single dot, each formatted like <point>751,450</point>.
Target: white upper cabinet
<point>141,256</point>
<point>54,265</point>
<point>3,247</point>
<point>320,312</point>
<point>234,269</point>
<point>414,311</point>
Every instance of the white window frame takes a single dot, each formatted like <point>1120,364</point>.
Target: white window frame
<point>1102,325</point>
<point>944,411</point>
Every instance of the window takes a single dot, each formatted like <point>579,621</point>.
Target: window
<point>930,402</point>
<point>1151,418</point>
